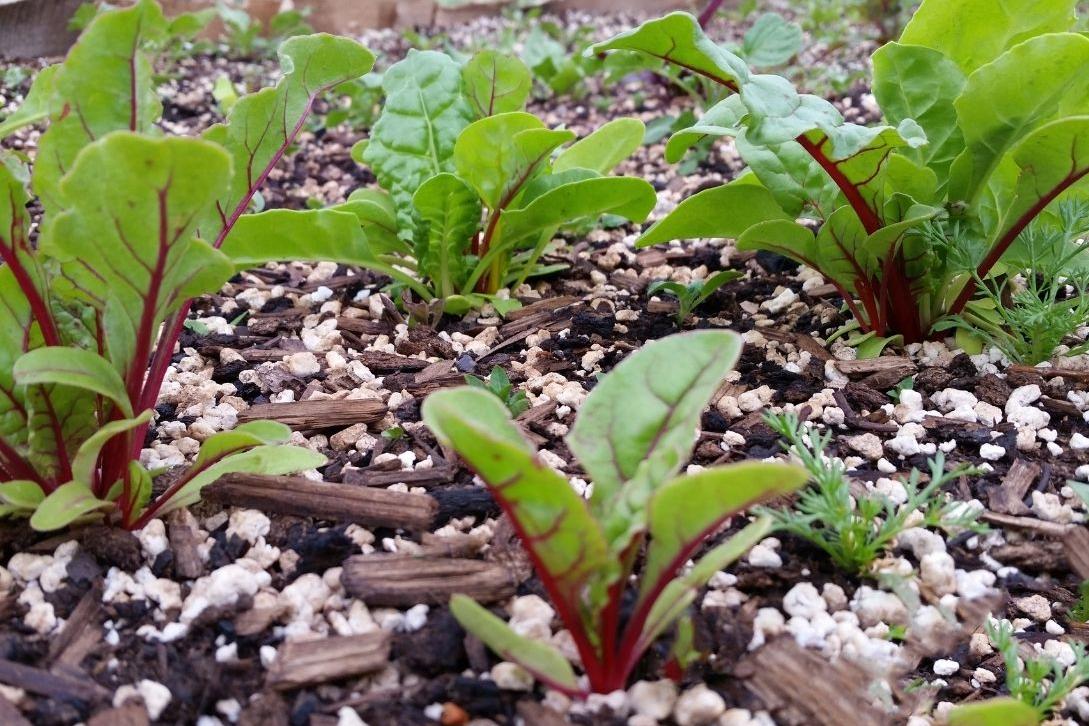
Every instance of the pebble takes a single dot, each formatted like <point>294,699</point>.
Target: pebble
<point>991,452</point>
<point>654,699</point>
<point>511,677</point>
<point>938,572</point>
<point>1035,606</point>
<point>223,587</point>
<point>248,524</point>
<point>945,667</point>
<point>156,696</point>
<point>698,706</point>
<point>869,445</point>
<point>531,616</point>
<point>877,606</point>
<point>803,600</point>
<point>302,364</point>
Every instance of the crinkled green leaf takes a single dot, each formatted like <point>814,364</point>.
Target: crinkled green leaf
<point>500,154</point>
<point>975,32</point>
<point>793,177</point>
<point>542,660</point>
<point>913,82</point>
<point>604,149</point>
<point>723,211</point>
<point>76,368</point>
<point>262,125</point>
<point>125,244</point>
<point>1033,83</point>
<point>496,83</point>
<point>677,38</point>
<point>105,84</point>
<point>451,211</point>
<point>723,119</point>
<point>627,197</point>
<point>638,423</point>
<point>413,140</point>
<point>771,41</point>
<point>37,104</point>
<point>564,540</point>
<point>65,505</point>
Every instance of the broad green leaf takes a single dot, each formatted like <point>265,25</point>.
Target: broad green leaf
<point>65,505</point>
<point>678,39</point>
<point>75,368</point>
<point>554,522</point>
<point>498,155</point>
<point>793,177</point>
<point>36,106</point>
<point>451,210</point>
<point>771,41</point>
<point>262,125</point>
<point>723,211</point>
<point>125,244</point>
<point>413,140</point>
<point>723,119</point>
<point>263,460</point>
<point>687,509</point>
<point>21,495</point>
<point>86,458</point>
<point>284,234</point>
<point>105,84</point>
<point>1050,160</point>
<point>676,595</point>
<point>496,83</point>
<point>604,149</point>
<point>1035,86</point>
<point>999,711</point>
<point>627,197</point>
<point>975,32</point>
<point>59,419</point>
<point>244,436</point>
<point>543,661</point>
<point>785,237</point>
<point>16,252</point>
<point>639,421</point>
<point>913,82</point>
<point>375,211</point>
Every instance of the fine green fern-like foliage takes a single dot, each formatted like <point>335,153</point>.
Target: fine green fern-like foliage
<point>986,126</point>
<point>855,530</point>
<point>135,225</point>
<point>634,434</point>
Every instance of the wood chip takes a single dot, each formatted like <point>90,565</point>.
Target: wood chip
<point>131,714</point>
<point>1076,544</point>
<point>380,362</point>
<point>393,581</point>
<point>368,477</point>
<point>181,527</point>
<point>257,620</point>
<point>870,366</point>
<point>66,684</point>
<point>309,415</point>
<point>362,326</point>
<point>1008,498</point>
<point>302,663</point>
<point>1051,372</point>
<point>808,689</point>
<point>11,716</point>
<point>301,497</point>
<point>1048,529</point>
<point>81,632</point>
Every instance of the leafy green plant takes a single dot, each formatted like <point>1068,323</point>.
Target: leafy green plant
<point>1028,321</point>
<point>633,435</point>
<point>246,37</point>
<point>499,385</point>
<point>854,530</point>
<point>984,104</point>
<point>135,225</point>
<point>1040,683</point>
<point>473,189</point>
<point>691,296</point>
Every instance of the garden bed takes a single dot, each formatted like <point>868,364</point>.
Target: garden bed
<point>321,598</point>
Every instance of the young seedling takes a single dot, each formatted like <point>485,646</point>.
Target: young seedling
<point>474,188</point>
<point>691,296</point>
<point>854,530</point>
<point>984,104</point>
<point>634,433</point>
<point>499,385</point>
<point>135,225</point>
<point>1037,684</point>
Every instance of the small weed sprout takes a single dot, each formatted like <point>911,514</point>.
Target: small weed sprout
<point>498,383</point>
<point>691,296</point>
<point>854,529</point>
<point>1041,682</point>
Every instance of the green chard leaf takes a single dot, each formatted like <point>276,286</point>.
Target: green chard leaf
<point>723,119</point>
<point>75,368</point>
<point>496,83</point>
<point>999,711</point>
<point>414,138</point>
<point>262,125</point>
<point>564,540</point>
<point>287,234</point>
<point>36,106</point>
<point>451,211</point>
<point>771,41</point>
<point>701,215</point>
<point>975,32</point>
<point>604,149</point>
<point>105,84</point>
<point>65,505</point>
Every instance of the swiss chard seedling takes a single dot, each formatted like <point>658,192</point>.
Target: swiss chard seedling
<point>691,296</point>
<point>473,187</point>
<point>985,107</point>
<point>633,435</point>
<point>135,225</point>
